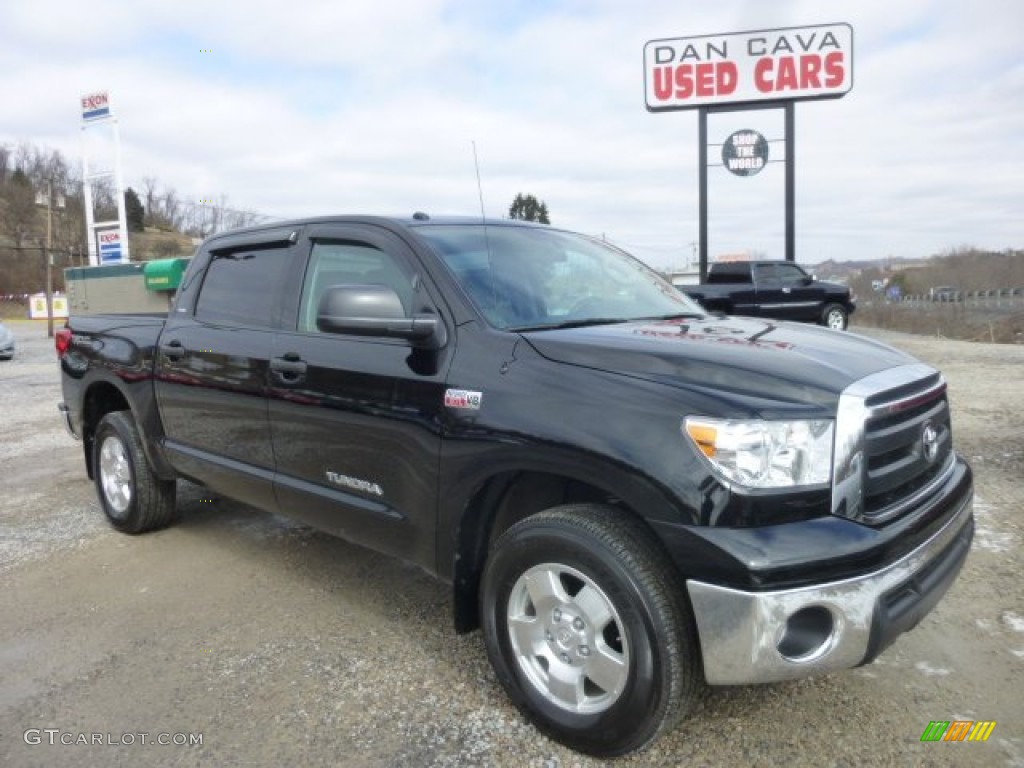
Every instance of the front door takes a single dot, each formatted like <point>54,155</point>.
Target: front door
<point>802,298</point>
<point>355,421</point>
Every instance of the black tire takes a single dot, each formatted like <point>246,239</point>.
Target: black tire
<point>835,316</point>
<point>632,659</point>
<point>133,498</point>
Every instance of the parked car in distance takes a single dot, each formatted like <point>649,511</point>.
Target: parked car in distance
<point>6,342</point>
<point>944,293</point>
<point>778,290</point>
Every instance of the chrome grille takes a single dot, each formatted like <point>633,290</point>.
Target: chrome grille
<point>894,443</point>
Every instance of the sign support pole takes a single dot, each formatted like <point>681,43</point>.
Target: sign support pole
<point>790,110</point>
<point>90,237</point>
<point>702,173</point>
<point>122,214</point>
<point>113,235</point>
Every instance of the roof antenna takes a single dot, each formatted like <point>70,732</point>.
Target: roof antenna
<point>487,238</point>
<point>479,186</point>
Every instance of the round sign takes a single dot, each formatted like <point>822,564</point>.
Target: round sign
<point>745,153</point>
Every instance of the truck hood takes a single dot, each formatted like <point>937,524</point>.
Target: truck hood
<point>757,360</point>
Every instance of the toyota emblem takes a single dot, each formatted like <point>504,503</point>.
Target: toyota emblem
<point>929,442</point>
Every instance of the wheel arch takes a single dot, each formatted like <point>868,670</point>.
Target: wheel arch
<point>503,499</point>
<point>100,398</point>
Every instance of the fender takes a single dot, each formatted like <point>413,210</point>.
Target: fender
<point>134,389</point>
<point>468,478</point>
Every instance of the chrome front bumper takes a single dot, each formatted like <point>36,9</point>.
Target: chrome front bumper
<point>762,637</point>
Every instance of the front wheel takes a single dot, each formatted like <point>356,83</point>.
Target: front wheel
<point>588,628</point>
<point>134,499</point>
<point>835,316</point>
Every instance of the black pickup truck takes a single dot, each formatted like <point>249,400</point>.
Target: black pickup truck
<point>629,496</point>
<point>779,290</point>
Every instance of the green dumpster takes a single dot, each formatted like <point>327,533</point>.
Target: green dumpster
<point>164,274</point>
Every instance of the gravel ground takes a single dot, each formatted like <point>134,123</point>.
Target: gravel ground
<point>282,646</point>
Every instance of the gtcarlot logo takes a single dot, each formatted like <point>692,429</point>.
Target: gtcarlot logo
<point>958,730</point>
<point>55,736</point>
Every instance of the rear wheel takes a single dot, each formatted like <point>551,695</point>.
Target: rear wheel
<point>835,316</point>
<point>588,628</point>
<point>134,499</point>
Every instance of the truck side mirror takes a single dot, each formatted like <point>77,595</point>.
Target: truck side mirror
<point>375,310</point>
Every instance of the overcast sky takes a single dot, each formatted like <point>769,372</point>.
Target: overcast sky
<point>308,108</point>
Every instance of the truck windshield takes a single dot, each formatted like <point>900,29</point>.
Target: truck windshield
<point>526,278</point>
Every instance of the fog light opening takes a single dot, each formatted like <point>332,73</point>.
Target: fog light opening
<point>807,634</point>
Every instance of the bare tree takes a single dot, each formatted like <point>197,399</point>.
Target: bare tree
<point>149,200</point>
<point>20,218</point>
<point>171,209</point>
<point>5,159</point>
<point>104,199</point>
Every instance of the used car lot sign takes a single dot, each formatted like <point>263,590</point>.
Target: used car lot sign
<point>767,65</point>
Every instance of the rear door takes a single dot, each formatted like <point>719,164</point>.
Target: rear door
<point>734,284</point>
<point>745,296</point>
<point>355,421</point>
<point>212,368</point>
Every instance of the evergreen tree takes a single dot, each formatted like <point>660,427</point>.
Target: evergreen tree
<point>134,211</point>
<point>528,208</point>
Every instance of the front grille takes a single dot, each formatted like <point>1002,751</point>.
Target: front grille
<point>894,443</point>
<point>897,466</point>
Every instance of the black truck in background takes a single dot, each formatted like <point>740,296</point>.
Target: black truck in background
<point>629,496</point>
<point>779,290</point>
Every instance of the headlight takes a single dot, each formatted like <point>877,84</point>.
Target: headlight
<point>766,454</point>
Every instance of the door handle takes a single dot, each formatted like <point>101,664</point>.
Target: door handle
<point>290,368</point>
<point>174,350</point>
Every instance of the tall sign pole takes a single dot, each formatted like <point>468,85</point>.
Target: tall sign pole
<point>702,180</point>
<point>108,240</point>
<point>790,130</point>
<point>763,69</point>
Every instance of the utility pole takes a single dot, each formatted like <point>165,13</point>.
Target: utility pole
<point>49,259</point>
<point>49,251</point>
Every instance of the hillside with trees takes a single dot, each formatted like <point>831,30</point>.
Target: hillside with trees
<point>161,222</point>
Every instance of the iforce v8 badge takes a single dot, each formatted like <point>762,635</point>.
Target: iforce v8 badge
<point>463,399</point>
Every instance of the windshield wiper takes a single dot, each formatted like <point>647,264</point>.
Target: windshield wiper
<point>677,316</point>
<point>572,324</point>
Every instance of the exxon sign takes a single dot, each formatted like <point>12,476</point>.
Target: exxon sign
<point>110,246</point>
<point>743,67</point>
<point>96,105</point>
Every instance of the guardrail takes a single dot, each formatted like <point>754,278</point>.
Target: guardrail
<point>995,298</point>
<point>995,316</point>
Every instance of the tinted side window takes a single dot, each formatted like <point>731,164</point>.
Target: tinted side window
<point>729,273</point>
<point>790,274</point>
<point>240,287</point>
<point>347,263</point>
